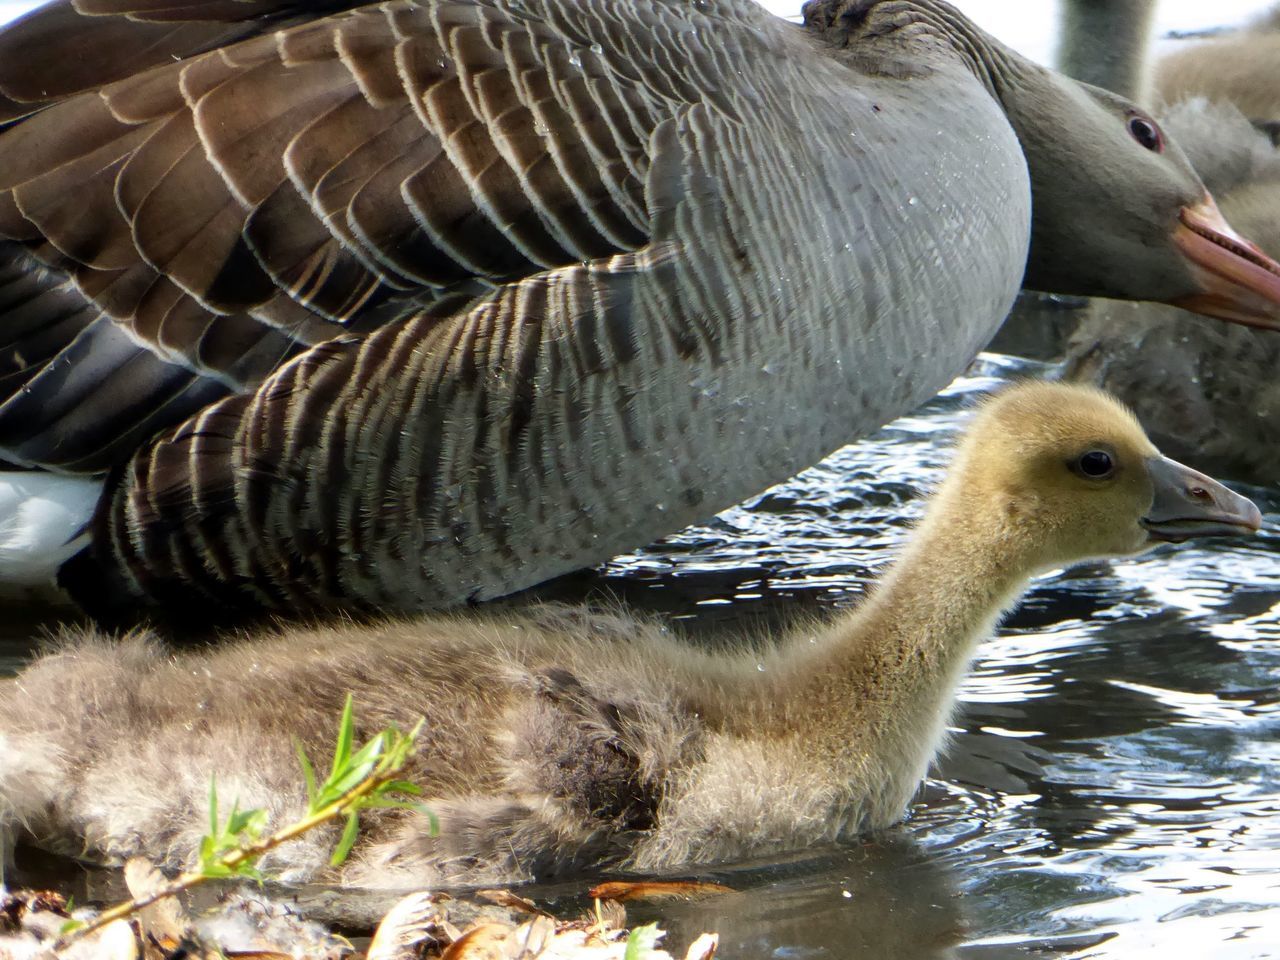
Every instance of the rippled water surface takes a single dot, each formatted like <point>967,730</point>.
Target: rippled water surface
<point>1113,789</point>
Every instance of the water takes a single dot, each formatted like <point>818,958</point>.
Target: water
<point>1113,788</point>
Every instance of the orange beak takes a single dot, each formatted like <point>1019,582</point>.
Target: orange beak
<point>1238,282</point>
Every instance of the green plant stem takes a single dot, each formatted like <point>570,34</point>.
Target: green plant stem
<point>234,858</point>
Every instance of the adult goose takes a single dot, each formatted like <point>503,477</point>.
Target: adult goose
<point>1206,396</point>
<point>403,304</point>
<point>559,741</point>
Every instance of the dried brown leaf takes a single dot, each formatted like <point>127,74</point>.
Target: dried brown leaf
<point>658,890</point>
<point>15,906</point>
<point>487,941</point>
<point>153,949</point>
<point>115,941</point>
<point>413,919</point>
<point>505,898</point>
<point>534,936</point>
<point>165,920</point>
<point>704,948</point>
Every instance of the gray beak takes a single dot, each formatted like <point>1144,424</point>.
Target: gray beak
<point>1188,504</point>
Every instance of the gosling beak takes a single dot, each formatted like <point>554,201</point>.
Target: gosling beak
<point>1238,282</point>
<point>1188,504</point>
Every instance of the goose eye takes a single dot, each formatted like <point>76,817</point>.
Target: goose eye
<point>1096,465</point>
<point>1147,134</point>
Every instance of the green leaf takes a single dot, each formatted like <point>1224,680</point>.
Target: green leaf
<point>346,733</point>
<point>389,803</point>
<point>248,822</point>
<point>343,849</point>
<point>309,772</point>
<point>213,805</point>
<point>70,926</point>
<point>401,786</point>
<point>369,754</point>
<point>433,822</point>
<point>348,781</point>
<point>257,824</point>
<point>641,942</point>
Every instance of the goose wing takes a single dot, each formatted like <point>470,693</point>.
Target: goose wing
<point>224,187</point>
<point>72,46</point>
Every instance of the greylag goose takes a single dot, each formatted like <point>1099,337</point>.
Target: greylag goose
<point>561,740</point>
<point>1207,396</point>
<point>398,305</point>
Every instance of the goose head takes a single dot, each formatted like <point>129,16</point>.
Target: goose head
<point>1072,477</point>
<point>1118,211</point>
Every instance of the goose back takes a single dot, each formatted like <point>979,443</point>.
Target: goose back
<point>405,304</point>
<point>433,280</point>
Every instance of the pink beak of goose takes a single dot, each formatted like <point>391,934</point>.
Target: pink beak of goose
<point>1240,283</point>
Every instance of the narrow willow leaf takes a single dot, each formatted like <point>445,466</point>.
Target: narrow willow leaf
<point>235,820</point>
<point>433,822</point>
<point>389,803</point>
<point>250,822</point>
<point>402,786</point>
<point>346,782</point>
<point>368,755</point>
<point>213,805</point>
<point>346,733</point>
<point>348,841</point>
<point>309,772</point>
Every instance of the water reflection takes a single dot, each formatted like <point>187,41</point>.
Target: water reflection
<point>1113,786</point>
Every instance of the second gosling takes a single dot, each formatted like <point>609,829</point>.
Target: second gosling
<point>564,740</point>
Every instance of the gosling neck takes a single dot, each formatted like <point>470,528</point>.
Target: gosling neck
<point>903,38</point>
<point>870,697</point>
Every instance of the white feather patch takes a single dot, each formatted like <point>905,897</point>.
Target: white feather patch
<point>42,523</point>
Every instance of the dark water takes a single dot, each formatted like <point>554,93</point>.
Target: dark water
<point>1113,789</point>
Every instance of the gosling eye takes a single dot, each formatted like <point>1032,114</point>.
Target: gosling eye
<point>1094,465</point>
<point>1146,133</point>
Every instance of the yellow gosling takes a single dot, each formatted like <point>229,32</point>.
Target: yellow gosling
<point>561,739</point>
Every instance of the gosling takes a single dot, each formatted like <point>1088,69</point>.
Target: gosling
<point>564,740</point>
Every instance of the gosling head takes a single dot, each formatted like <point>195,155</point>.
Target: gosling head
<point>1072,476</point>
